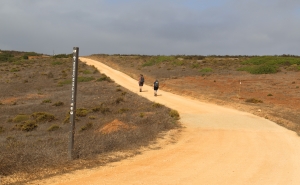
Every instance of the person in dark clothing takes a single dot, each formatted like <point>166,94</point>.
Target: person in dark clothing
<point>155,86</point>
<point>141,82</point>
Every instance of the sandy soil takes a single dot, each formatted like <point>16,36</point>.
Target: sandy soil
<point>217,146</point>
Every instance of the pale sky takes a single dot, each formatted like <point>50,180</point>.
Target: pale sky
<point>151,27</point>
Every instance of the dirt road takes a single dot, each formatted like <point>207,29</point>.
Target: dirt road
<point>217,146</point>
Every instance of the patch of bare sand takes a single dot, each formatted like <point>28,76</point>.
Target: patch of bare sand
<point>115,126</point>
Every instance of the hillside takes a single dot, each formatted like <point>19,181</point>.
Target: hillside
<point>112,123</point>
<point>267,86</point>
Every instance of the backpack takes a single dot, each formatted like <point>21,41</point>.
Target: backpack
<point>156,84</point>
<point>142,79</point>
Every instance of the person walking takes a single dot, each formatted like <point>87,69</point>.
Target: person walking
<point>141,82</point>
<point>155,86</point>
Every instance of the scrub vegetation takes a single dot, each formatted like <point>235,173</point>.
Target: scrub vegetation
<point>35,119</point>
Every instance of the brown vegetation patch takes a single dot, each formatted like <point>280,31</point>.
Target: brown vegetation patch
<point>114,126</point>
<point>25,97</point>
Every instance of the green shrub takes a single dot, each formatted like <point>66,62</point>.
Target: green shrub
<point>67,118</point>
<point>82,112</point>
<point>272,60</point>
<point>43,116</point>
<point>29,126</point>
<point>5,57</point>
<point>59,103</point>
<point>53,128</point>
<point>85,79</point>
<point>65,82</point>
<point>92,117</point>
<point>262,69</point>
<point>142,114</point>
<point>87,72</point>
<point>86,126</point>
<point>119,100</point>
<point>20,118</point>
<point>177,63</point>
<point>174,114</point>
<point>63,56</point>
<point>14,70</point>
<point>157,105</point>
<point>101,108</point>
<point>158,59</point>
<point>205,70</point>
<point>253,100</point>
<point>195,65</point>
<point>1,129</point>
<point>123,110</point>
<point>104,78</point>
<point>47,101</point>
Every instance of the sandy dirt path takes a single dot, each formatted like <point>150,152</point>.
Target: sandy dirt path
<point>217,146</point>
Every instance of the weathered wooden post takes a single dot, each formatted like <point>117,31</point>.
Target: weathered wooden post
<point>73,102</point>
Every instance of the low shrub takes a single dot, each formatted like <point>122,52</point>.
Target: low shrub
<point>1,129</point>
<point>158,59</point>
<point>174,114</point>
<point>119,100</point>
<point>206,70</point>
<point>123,110</point>
<point>195,65</point>
<point>104,78</point>
<point>157,105</point>
<point>29,125</point>
<point>53,128</point>
<point>59,103</point>
<point>253,100</point>
<point>47,101</point>
<point>20,118</point>
<point>142,114</point>
<point>85,78</point>
<point>43,116</point>
<point>101,108</point>
<point>86,72</point>
<point>82,112</point>
<point>261,69</point>
<point>86,126</point>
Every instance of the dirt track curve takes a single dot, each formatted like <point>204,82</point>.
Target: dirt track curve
<point>217,146</point>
